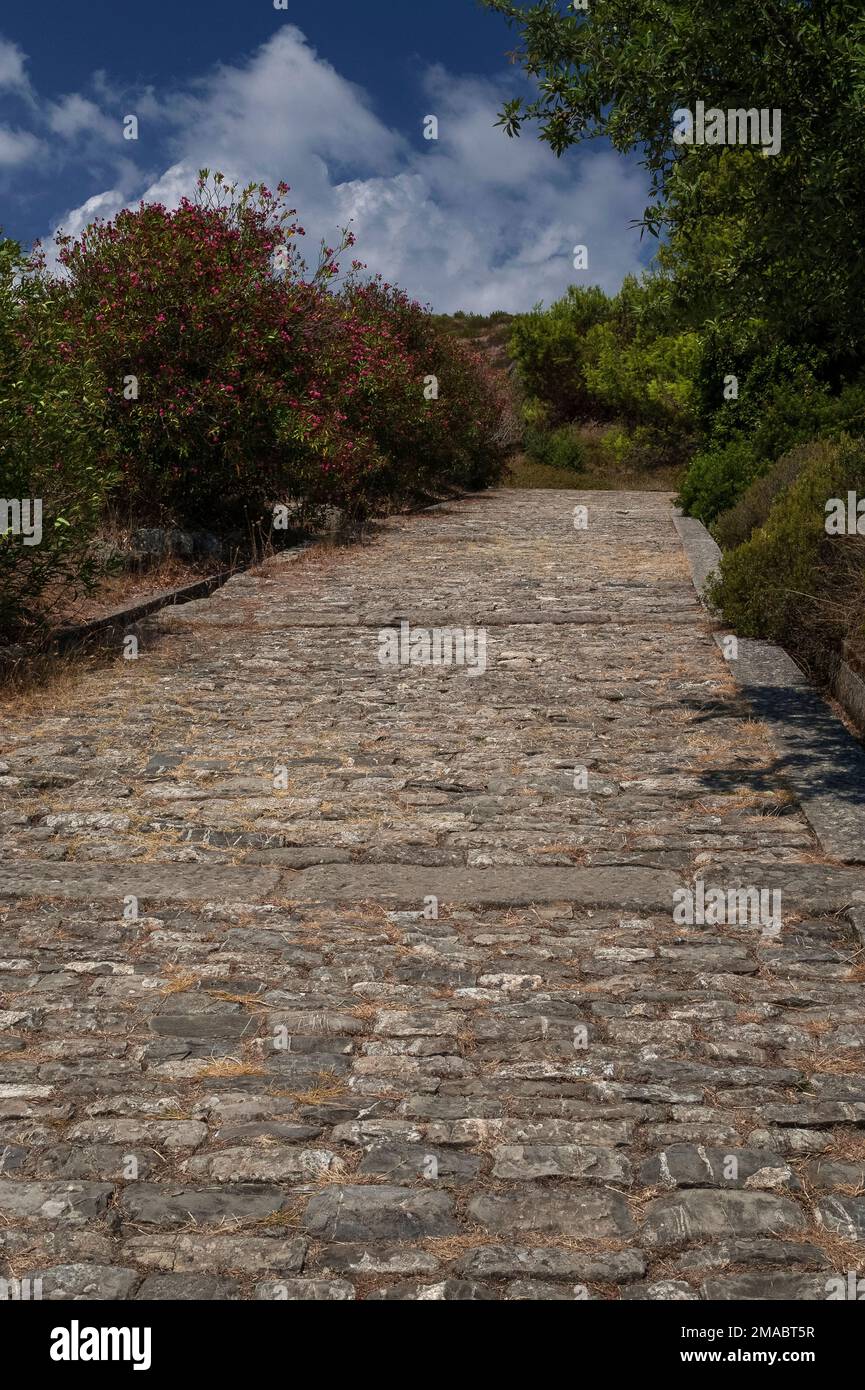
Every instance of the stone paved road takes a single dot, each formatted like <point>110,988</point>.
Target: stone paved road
<point>287,1077</point>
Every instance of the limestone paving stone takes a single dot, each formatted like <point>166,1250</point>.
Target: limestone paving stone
<point>695,1214</point>
<point>347,1214</point>
<point>547,1262</point>
<point>190,1253</point>
<point>791,1288</point>
<point>448,1291</point>
<point>323,980</point>
<point>845,1215</point>
<point>535,1290</point>
<point>595,1215</point>
<point>665,1291</point>
<point>85,1282</point>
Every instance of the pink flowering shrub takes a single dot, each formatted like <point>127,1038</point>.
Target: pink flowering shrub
<point>234,380</point>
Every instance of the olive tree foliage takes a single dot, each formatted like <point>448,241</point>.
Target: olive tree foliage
<point>777,239</point>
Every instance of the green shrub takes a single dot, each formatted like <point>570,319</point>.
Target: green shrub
<point>717,477</point>
<point>644,381</point>
<point>55,451</point>
<point>590,357</point>
<point>565,451</point>
<point>656,446</point>
<point>558,448</point>
<point>784,410</point>
<point>764,372</point>
<point>844,413</point>
<point>547,346</point>
<point>734,527</point>
<point>791,582</point>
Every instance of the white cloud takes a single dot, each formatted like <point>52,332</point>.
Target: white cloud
<point>101,205</point>
<point>75,116</point>
<point>473,220</point>
<point>285,102</point>
<point>485,222</point>
<point>16,147</point>
<point>13,78</point>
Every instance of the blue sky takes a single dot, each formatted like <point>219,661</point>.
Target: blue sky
<point>330,95</point>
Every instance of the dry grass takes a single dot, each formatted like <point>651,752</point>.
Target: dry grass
<point>847,1145</point>
<point>842,1254</point>
<point>815,1026</point>
<point>770,802</point>
<point>180,981</point>
<point>830,1064</point>
<point>249,1001</point>
<point>232,1066</point>
<point>330,1087</point>
<point>601,474</point>
<point>289,1217</point>
<point>450,1248</point>
<point>367,1013</point>
<point>44,683</point>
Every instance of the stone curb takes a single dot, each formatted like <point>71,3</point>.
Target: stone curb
<point>819,758</point>
<point>701,551</point>
<point>849,690</point>
<point>123,618</point>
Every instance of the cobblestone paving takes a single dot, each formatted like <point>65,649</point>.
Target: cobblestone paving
<point>288,1078</point>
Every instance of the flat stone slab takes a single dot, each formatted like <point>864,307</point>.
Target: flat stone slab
<point>587,1215</point>
<point>672,1222</point>
<point>155,882</point>
<point>819,887</point>
<point>639,888</point>
<point>346,1214</point>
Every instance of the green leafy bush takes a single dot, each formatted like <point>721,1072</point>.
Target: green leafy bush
<point>784,412</point>
<point>559,448</point>
<point>55,451</point>
<point>620,360</point>
<point>548,347</point>
<point>648,448</point>
<point>734,527</point>
<point>791,582</point>
<point>717,477</point>
<point>764,371</point>
<point>644,381</point>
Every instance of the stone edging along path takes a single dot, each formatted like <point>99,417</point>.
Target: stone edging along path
<point>823,763</point>
<point>323,979</point>
<point>120,620</point>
